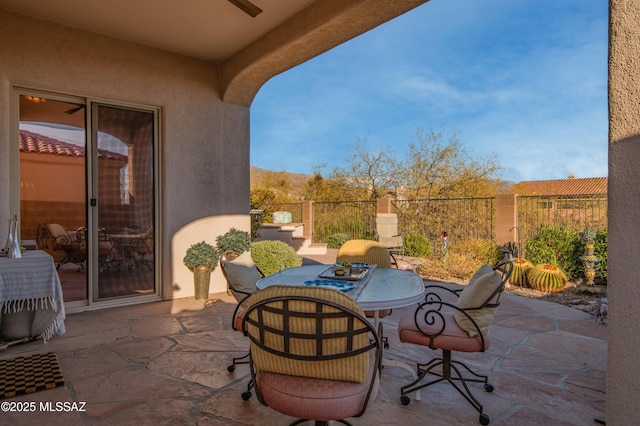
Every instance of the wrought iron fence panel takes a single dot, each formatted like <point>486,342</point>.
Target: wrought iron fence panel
<point>460,218</point>
<point>572,211</point>
<point>357,219</point>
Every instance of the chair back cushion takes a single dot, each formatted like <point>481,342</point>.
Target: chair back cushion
<point>57,230</point>
<point>242,275</point>
<point>474,297</point>
<point>366,251</point>
<point>287,337</point>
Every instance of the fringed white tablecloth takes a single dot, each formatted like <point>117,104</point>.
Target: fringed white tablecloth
<point>32,283</point>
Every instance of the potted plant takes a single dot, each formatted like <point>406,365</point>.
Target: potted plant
<point>233,240</point>
<point>201,258</point>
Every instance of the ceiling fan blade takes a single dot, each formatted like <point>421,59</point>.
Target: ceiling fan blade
<point>247,7</point>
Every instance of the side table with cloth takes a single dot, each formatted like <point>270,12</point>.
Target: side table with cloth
<point>31,301</point>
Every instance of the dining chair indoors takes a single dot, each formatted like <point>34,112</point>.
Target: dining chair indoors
<point>241,274</point>
<point>455,320</point>
<point>314,356</point>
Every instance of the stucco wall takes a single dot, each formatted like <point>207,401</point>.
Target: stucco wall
<point>623,359</point>
<point>204,142</point>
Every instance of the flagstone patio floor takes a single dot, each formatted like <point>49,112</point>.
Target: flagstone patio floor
<point>166,363</point>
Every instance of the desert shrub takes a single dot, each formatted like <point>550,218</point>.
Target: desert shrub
<point>600,249</point>
<point>272,256</point>
<point>463,260</point>
<point>478,249</point>
<point>233,240</point>
<point>417,246</point>
<point>335,241</point>
<point>558,246</point>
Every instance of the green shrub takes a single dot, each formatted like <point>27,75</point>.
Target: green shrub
<point>335,241</point>
<point>271,256</point>
<point>233,240</point>
<point>558,246</point>
<point>600,249</point>
<point>417,246</point>
<point>201,254</point>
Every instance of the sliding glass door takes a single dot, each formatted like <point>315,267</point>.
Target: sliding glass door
<point>87,193</point>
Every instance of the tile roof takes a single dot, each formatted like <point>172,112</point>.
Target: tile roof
<point>570,186</point>
<point>39,144</point>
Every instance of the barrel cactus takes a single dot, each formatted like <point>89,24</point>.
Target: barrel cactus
<point>521,267</point>
<point>547,278</point>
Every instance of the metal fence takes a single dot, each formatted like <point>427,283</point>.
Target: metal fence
<point>571,211</point>
<point>357,219</point>
<point>461,218</point>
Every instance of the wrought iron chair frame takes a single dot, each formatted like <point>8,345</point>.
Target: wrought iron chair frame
<point>431,311</point>
<point>266,306</point>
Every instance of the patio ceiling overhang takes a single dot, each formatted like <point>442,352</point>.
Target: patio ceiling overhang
<point>248,50</point>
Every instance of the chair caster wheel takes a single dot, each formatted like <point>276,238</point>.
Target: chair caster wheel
<point>484,419</point>
<point>231,368</point>
<point>405,400</point>
<point>247,395</point>
<point>488,387</point>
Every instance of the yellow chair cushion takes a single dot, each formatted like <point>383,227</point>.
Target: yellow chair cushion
<point>483,283</point>
<point>351,368</point>
<point>366,251</point>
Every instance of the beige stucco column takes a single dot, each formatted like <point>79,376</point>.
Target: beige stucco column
<point>307,219</point>
<point>623,357</point>
<point>383,205</point>
<point>506,207</point>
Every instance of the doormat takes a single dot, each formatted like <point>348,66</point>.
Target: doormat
<point>29,374</point>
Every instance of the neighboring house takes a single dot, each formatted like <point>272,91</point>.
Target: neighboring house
<point>570,186</point>
<point>178,82</point>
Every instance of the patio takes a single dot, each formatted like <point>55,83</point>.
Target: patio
<point>166,363</point>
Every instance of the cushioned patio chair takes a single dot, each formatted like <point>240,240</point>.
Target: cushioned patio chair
<point>455,320</point>
<point>241,274</point>
<point>314,355</point>
<point>373,253</point>
<point>56,239</point>
<point>387,232</point>
<point>143,248</point>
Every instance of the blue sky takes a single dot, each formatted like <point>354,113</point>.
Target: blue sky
<point>525,80</point>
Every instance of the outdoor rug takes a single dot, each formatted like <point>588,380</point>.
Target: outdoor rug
<point>29,374</point>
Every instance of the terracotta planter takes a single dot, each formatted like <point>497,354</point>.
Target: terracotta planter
<point>201,278</point>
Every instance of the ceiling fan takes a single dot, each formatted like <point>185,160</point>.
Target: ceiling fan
<point>247,7</point>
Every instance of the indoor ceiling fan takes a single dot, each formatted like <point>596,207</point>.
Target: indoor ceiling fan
<point>247,7</point>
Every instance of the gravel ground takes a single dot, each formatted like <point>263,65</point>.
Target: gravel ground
<point>575,295</point>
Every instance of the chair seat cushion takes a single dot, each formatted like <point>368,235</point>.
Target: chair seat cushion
<point>452,337</point>
<point>317,399</point>
<point>381,314</point>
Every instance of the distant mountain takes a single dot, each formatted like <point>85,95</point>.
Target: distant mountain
<point>261,178</point>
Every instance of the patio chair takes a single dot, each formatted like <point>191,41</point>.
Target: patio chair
<point>143,247</point>
<point>314,356</point>
<point>55,238</point>
<point>456,320</point>
<point>241,274</point>
<point>373,253</point>
<point>387,232</point>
